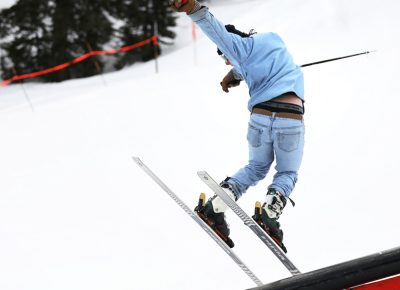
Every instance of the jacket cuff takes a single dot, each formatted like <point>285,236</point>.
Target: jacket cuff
<point>236,75</point>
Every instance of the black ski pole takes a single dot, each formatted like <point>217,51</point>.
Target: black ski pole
<point>336,58</point>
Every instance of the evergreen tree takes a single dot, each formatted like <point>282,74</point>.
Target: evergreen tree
<point>94,31</point>
<point>144,18</point>
<point>36,34</point>
<point>78,27</point>
<point>132,14</point>
<point>62,41</point>
<point>24,36</point>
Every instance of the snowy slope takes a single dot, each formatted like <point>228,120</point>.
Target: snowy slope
<point>6,3</point>
<point>76,212</point>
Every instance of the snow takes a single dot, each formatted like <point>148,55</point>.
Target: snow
<point>6,3</point>
<point>77,213</point>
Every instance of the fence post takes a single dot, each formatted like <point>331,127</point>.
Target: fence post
<point>155,44</point>
<point>96,64</point>
<point>24,91</point>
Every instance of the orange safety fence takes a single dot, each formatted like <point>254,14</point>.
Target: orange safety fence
<point>152,39</point>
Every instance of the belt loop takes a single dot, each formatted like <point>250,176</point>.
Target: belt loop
<point>273,114</point>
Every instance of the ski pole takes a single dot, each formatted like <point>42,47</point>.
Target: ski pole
<point>336,58</point>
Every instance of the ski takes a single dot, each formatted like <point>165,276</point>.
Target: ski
<point>248,221</point>
<point>199,221</point>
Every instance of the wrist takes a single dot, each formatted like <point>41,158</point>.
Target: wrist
<point>230,76</point>
<point>196,7</point>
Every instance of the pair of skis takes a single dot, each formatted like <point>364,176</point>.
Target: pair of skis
<point>248,221</point>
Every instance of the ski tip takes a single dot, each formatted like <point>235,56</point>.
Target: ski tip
<point>203,174</point>
<point>137,160</point>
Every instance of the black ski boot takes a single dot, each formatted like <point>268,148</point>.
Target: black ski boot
<point>267,216</point>
<point>215,219</point>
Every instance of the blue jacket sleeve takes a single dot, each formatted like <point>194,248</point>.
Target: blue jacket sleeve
<point>234,47</point>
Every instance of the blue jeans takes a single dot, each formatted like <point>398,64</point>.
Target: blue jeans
<point>271,138</point>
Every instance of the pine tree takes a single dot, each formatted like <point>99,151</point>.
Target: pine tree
<point>132,13</point>
<point>161,16</point>
<point>24,41</point>
<point>62,41</point>
<point>143,19</point>
<point>37,35</point>
<point>95,31</point>
<point>43,34</point>
<point>79,27</point>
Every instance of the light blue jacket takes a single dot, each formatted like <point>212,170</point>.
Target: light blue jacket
<point>262,59</point>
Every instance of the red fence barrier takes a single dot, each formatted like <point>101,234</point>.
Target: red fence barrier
<point>79,59</point>
<point>392,283</point>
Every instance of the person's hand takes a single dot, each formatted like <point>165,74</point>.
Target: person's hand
<point>183,5</point>
<point>229,82</point>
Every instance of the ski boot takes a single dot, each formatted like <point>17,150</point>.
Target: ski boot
<point>212,213</point>
<point>267,216</point>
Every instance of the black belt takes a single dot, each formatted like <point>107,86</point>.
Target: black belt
<point>277,114</point>
<point>280,107</point>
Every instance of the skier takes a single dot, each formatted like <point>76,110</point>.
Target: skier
<point>276,126</point>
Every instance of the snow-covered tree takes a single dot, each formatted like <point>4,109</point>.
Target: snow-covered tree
<point>37,34</point>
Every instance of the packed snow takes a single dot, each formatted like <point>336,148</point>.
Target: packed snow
<point>77,213</point>
<point>6,3</point>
